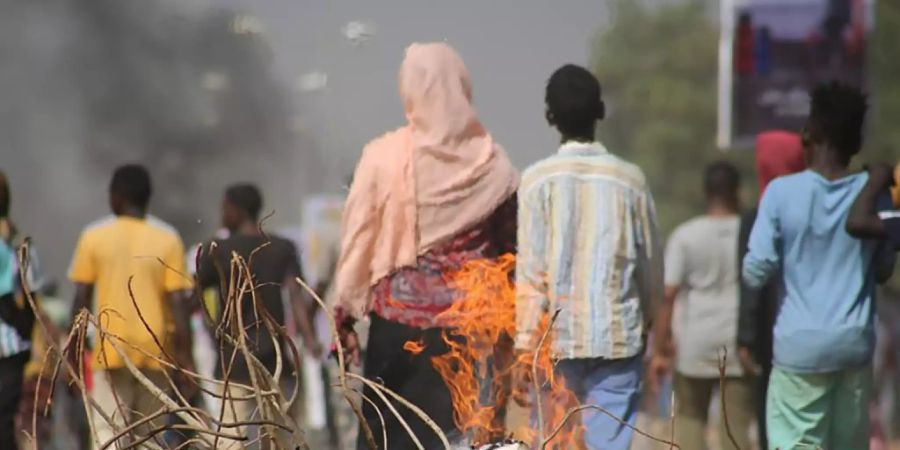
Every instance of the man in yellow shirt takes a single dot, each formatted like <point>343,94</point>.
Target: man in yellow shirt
<point>132,266</point>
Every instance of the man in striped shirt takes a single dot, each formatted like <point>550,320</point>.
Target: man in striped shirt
<point>588,247</point>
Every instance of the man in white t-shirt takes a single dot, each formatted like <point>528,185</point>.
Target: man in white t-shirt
<point>702,294</point>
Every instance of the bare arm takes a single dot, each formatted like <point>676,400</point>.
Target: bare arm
<point>182,309</point>
<point>863,221</point>
<point>300,308</point>
<point>662,325</point>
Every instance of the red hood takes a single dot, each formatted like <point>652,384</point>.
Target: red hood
<point>778,153</point>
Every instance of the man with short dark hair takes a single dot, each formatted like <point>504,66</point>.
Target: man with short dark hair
<point>588,247</point>
<point>274,264</point>
<point>778,153</point>
<point>702,276</point>
<point>129,269</point>
<point>824,335</point>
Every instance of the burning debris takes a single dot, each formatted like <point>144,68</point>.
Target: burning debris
<point>478,368</point>
<point>507,444</point>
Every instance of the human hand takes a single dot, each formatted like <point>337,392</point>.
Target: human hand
<point>659,369</point>
<point>313,347</point>
<point>350,343</point>
<point>747,361</point>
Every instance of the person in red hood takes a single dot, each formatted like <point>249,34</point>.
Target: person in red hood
<point>778,153</point>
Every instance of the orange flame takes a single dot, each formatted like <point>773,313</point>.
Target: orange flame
<point>478,331</point>
<point>414,347</point>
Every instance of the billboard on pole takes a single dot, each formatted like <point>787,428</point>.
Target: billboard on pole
<point>772,52</point>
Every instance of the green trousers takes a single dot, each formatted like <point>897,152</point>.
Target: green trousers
<point>819,411</point>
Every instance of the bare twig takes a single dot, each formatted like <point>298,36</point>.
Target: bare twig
<point>380,417</point>
<point>624,423</point>
<point>342,368</point>
<point>724,401</point>
<point>415,409</point>
<point>396,413</point>
<point>534,375</point>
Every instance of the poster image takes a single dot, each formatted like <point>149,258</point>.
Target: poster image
<point>781,49</point>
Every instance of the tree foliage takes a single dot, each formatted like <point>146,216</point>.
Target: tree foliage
<point>658,66</point>
<point>884,60</point>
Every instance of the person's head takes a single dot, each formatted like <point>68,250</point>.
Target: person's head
<point>437,92</point>
<point>721,185</point>
<point>5,199</point>
<point>778,153</point>
<point>574,103</point>
<point>835,123</point>
<point>130,190</point>
<point>241,205</point>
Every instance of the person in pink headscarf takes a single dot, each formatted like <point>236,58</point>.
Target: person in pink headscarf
<point>425,199</point>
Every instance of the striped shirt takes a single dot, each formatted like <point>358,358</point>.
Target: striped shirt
<point>588,247</point>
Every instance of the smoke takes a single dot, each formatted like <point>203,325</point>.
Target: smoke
<point>87,85</point>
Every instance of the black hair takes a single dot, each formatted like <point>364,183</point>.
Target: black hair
<point>573,100</point>
<point>836,116</point>
<point>132,182</point>
<point>246,197</point>
<point>722,180</point>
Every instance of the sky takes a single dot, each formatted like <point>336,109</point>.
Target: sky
<point>510,46</point>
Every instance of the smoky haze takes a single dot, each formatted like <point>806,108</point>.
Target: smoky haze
<point>206,93</point>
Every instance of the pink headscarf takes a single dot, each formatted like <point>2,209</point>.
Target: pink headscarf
<point>778,153</point>
<point>422,184</point>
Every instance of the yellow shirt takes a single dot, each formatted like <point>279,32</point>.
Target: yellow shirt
<point>150,253</point>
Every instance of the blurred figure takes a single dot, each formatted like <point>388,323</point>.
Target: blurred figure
<point>274,264</point>
<point>425,199</point>
<point>16,317</point>
<point>58,421</point>
<point>778,153</point>
<point>837,19</point>
<point>132,251</point>
<point>702,275</point>
<point>762,51</point>
<point>875,214</point>
<point>744,47</point>
<point>824,336</point>
<point>321,238</point>
<point>588,247</point>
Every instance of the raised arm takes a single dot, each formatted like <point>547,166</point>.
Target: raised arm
<point>863,221</point>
